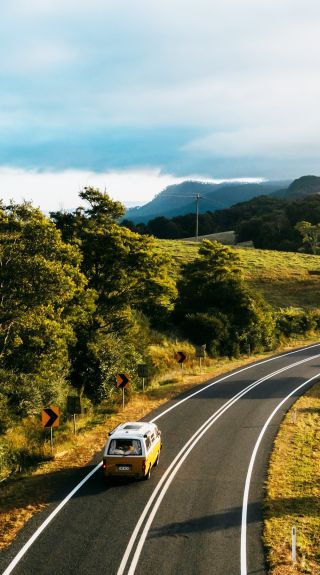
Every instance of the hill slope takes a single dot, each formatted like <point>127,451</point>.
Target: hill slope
<point>285,279</point>
<point>300,188</point>
<point>179,199</point>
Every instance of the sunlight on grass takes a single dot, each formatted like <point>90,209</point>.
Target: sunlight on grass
<point>285,279</point>
<point>293,490</point>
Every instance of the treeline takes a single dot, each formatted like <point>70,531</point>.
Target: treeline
<point>268,222</point>
<point>83,298</point>
<point>77,291</point>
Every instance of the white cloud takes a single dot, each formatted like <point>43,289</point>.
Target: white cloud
<point>242,75</point>
<point>60,190</point>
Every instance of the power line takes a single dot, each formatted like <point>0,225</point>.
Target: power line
<point>197,197</point>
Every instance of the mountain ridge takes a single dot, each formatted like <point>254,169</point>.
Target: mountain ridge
<point>180,199</point>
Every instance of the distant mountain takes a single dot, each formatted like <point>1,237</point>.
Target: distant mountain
<point>180,199</point>
<point>268,221</point>
<point>133,204</point>
<point>300,188</point>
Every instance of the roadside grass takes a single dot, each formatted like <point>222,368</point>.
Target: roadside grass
<point>227,238</point>
<point>293,490</point>
<point>25,494</point>
<point>270,272</point>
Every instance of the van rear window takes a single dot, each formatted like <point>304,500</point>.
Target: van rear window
<point>125,447</point>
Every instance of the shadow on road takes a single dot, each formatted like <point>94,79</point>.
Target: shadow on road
<point>232,517</point>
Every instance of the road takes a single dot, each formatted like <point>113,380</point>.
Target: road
<point>201,511</point>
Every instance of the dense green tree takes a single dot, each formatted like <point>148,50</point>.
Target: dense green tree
<point>269,222</point>
<point>214,297</point>
<point>127,271</point>
<point>310,236</point>
<point>42,298</point>
<point>161,227</point>
<point>124,268</point>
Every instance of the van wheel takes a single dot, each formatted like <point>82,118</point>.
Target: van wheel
<point>156,463</point>
<point>148,474</point>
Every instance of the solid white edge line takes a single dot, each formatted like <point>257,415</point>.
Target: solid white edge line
<point>27,545</point>
<point>175,466</point>
<point>243,543</point>
<point>164,477</point>
<point>38,532</point>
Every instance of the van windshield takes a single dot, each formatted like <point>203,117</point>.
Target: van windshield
<point>125,447</point>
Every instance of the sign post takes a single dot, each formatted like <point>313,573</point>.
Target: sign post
<point>294,544</point>
<point>122,380</point>
<point>200,353</point>
<point>50,418</point>
<point>143,372</point>
<point>180,357</point>
<point>73,407</point>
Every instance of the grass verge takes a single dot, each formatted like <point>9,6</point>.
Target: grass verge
<point>293,490</point>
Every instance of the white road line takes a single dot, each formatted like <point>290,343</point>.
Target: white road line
<point>40,529</point>
<point>170,473</point>
<point>243,544</point>
<point>36,534</point>
<point>228,376</point>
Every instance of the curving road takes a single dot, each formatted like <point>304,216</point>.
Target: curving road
<point>201,511</point>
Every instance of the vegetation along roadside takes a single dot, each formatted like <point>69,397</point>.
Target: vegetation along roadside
<point>29,492</point>
<point>293,491</point>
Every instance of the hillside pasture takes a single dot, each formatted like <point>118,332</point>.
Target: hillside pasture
<point>285,279</point>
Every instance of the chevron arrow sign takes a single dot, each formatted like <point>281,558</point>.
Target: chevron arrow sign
<point>50,416</point>
<point>122,380</point>
<point>180,356</point>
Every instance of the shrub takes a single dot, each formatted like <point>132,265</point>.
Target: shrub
<point>295,321</point>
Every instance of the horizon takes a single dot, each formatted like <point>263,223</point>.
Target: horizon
<point>135,97</point>
<point>69,202</point>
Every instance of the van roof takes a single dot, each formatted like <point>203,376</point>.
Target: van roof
<point>132,428</point>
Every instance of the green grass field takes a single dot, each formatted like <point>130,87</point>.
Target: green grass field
<point>293,490</point>
<point>285,279</point>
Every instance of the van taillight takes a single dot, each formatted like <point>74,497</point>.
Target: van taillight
<point>104,463</point>
<point>144,466</point>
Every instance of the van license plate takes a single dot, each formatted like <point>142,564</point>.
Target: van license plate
<point>124,468</point>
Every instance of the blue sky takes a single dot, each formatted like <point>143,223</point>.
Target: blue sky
<point>131,95</point>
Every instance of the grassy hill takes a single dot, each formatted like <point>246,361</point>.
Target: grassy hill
<point>285,279</point>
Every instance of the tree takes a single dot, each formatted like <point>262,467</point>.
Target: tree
<point>123,267</point>
<point>214,297</point>
<point>310,236</point>
<point>127,271</point>
<point>42,298</point>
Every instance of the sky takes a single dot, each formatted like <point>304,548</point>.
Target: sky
<point>133,95</point>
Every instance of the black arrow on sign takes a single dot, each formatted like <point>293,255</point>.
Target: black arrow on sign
<point>122,380</point>
<point>53,417</point>
<point>180,356</point>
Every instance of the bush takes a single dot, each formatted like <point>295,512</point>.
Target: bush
<point>295,321</point>
<point>163,352</point>
<point>22,448</point>
<point>211,330</point>
<point>216,303</point>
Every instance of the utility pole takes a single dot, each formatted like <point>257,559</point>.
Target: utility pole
<point>197,216</point>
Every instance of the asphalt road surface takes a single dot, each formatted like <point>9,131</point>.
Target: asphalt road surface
<point>201,511</point>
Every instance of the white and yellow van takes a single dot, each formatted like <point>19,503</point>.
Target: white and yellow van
<point>132,449</point>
